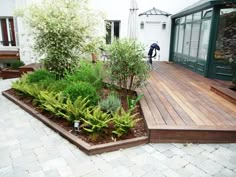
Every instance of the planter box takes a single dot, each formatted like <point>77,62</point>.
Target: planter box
<point>87,148</point>
<point>9,73</point>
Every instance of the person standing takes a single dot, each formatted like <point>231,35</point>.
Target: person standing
<point>154,47</point>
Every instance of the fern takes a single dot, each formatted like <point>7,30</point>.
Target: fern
<point>123,121</point>
<point>95,120</point>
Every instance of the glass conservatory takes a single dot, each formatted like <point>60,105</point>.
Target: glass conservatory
<point>203,38</point>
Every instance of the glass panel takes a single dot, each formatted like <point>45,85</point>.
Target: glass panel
<point>197,16</point>
<point>189,18</point>
<point>204,39</point>
<point>176,38</point>
<point>108,32</point>
<point>207,13</point>
<point>180,39</point>
<point>177,21</point>
<point>182,20</point>
<point>226,38</point>
<point>116,29</point>
<point>187,38</point>
<point>195,39</point>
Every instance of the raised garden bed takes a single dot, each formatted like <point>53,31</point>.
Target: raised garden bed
<point>225,92</point>
<point>10,73</point>
<point>136,136</point>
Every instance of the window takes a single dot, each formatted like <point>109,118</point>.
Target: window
<point>112,30</point>
<point>181,36</point>
<point>7,33</point>
<point>142,25</point>
<point>187,35</point>
<point>204,39</point>
<point>195,38</point>
<point>226,38</point>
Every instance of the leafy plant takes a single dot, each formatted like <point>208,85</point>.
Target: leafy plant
<point>23,86</point>
<point>132,102</point>
<point>59,85</point>
<point>88,72</point>
<point>95,120</point>
<point>40,75</point>
<point>123,121</point>
<point>61,31</point>
<point>110,104</point>
<point>76,110</point>
<point>83,89</point>
<point>51,101</point>
<point>17,64</point>
<point>127,68</point>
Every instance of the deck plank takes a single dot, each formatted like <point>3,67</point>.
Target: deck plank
<point>180,107</point>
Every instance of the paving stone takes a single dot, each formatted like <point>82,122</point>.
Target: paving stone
<point>65,171</point>
<point>37,174</point>
<point>6,171</point>
<point>148,148</point>
<point>192,150</point>
<point>175,162</point>
<point>16,153</point>
<point>171,173</point>
<point>225,173</point>
<point>154,173</point>
<point>136,171</point>
<point>210,167</point>
<point>225,163</point>
<point>96,173</point>
<point>51,173</point>
<point>162,147</point>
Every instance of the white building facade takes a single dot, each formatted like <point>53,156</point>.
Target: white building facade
<point>153,25</point>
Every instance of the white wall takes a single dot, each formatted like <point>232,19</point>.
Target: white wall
<point>7,7</point>
<point>153,32</point>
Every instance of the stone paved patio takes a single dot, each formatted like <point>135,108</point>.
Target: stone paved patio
<point>29,148</point>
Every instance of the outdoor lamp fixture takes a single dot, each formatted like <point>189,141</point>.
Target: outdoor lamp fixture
<point>142,25</point>
<point>164,25</point>
<point>76,126</point>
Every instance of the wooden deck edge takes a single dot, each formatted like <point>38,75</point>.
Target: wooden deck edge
<point>192,128</point>
<point>192,136</point>
<point>226,93</point>
<point>85,147</point>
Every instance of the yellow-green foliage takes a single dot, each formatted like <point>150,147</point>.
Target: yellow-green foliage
<point>123,121</point>
<point>95,120</point>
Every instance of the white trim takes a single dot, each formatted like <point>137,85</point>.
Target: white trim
<point>8,31</point>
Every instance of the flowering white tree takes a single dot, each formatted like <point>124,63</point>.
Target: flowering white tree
<point>62,30</point>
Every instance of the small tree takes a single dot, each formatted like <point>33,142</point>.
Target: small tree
<point>127,67</point>
<point>61,31</point>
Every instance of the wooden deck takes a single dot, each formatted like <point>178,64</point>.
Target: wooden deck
<point>179,107</point>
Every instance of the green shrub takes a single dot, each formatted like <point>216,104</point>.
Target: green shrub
<point>127,68</point>
<point>59,85</point>
<point>123,121</point>
<point>111,104</point>
<point>95,120</point>
<point>40,75</point>
<point>61,31</point>
<point>83,89</point>
<point>17,64</point>
<point>88,72</point>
